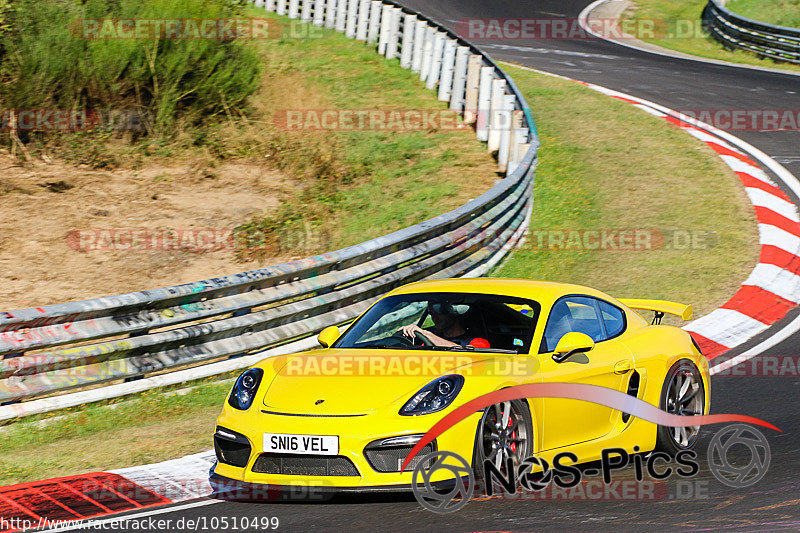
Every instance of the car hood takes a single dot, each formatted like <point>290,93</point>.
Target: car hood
<point>332,381</point>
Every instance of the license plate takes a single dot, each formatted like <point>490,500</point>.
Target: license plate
<point>302,444</point>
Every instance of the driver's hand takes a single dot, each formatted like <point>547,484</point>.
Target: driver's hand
<point>410,330</point>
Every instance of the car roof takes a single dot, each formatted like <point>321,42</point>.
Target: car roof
<point>533,289</point>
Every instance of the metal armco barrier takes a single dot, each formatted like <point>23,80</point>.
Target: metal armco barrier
<point>197,329</point>
<point>766,40</point>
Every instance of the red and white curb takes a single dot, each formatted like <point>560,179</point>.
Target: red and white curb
<point>773,287</point>
<point>76,502</point>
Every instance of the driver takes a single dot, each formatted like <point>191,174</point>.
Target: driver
<point>448,329</point>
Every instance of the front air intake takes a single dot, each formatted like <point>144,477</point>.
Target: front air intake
<point>304,465</point>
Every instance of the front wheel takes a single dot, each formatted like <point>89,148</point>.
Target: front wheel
<point>505,431</point>
<point>682,394</point>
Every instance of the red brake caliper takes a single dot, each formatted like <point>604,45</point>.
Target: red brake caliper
<point>513,436</point>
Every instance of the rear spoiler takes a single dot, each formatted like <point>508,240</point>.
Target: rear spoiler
<point>660,307</point>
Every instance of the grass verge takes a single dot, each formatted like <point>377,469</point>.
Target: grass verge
<point>668,13</point>
<point>111,434</point>
<point>780,12</point>
<point>370,182</point>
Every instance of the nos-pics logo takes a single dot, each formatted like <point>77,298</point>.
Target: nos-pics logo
<point>444,482</point>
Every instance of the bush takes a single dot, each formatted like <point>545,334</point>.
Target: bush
<point>170,83</point>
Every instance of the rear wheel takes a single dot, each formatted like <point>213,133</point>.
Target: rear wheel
<point>505,431</point>
<point>682,394</point>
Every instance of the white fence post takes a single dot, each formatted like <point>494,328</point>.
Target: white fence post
<point>448,64</point>
<point>386,23</point>
<point>341,15</point>
<point>436,62</point>
<point>459,78</point>
<point>363,20</point>
<point>374,21</point>
<point>352,14</point>
<point>270,6</point>
<point>505,133</point>
<point>497,107</point>
<point>472,89</point>
<point>394,33</point>
<point>484,103</point>
<point>518,136</point>
<point>294,9</point>
<point>427,53</point>
<point>305,11</point>
<point>330,13</point>
<point>409,33</point>
<point>281,7</point>
<point>319,12</point>
<point>419,43</point>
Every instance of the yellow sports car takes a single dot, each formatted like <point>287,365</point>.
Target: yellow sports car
<point>346,416</point>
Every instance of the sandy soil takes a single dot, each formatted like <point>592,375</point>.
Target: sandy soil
<point>64,229</point>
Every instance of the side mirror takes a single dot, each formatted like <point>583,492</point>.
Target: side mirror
<point>328,336</point>
<point>571,344</point>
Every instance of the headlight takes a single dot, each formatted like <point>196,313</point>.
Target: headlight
<point>244,390</point>
<point>434,396</point>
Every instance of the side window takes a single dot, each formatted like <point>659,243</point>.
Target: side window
<point>573,313</point>
<point>613,317</point>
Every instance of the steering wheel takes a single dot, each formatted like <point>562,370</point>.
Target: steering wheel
<point>423,339</point>
<point>401,339</point>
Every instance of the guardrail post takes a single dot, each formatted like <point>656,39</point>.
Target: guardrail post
<point>459,78</point>
<point>281,7</point>
<point>518,136</point>
<point>427,53</point>
<point>319,12</point>
<point>394,33</point>
<point>497,106</point>
<point>362,23</point>
<point>294,9</point>
<point>407,46</point>
<point>305,12</point>
<point>448,65</point>
<point>386,24</point>
<point>341,15</point>
<point>419,43</point>
<point>374,21</point>
<point>484,103</point>
<point>472,88</point>
<point>436,60</point>
<point>505,133</point>
<point>352,18</point>
<point>330,14</point>
<point>270,6</point>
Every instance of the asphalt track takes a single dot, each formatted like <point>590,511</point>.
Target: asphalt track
<point>772,504</point>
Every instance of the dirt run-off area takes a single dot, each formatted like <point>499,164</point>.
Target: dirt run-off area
<point>65,230</point>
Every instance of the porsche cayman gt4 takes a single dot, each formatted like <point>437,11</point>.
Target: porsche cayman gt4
<point>347,415</point>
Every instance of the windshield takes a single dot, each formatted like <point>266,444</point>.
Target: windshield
<point>451,321</point>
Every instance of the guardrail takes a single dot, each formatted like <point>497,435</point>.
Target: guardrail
<point>734,31</point>
<point>46,351</point>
